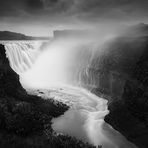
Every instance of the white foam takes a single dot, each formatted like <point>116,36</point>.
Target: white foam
<point>85,120</point>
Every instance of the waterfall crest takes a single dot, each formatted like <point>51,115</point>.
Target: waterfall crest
<point>21,55</point>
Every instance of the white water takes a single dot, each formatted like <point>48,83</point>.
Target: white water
<point>62,63</point>
<point>22,55</point>
<point>85,120</point>
<point>65,64</point>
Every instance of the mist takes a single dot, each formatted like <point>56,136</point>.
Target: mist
<point>67,58</point>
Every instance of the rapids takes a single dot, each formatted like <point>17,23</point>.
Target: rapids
<point>85,118</point>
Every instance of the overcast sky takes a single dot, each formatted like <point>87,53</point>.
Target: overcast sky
<point>40,17</point>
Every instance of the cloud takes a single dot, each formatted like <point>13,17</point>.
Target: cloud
<point>110,9</point>
<point>73,12</point>
<point>86,8</point>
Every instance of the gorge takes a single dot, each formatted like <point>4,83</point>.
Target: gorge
<point>87,72</point>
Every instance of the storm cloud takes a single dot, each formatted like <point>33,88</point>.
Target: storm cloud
<point>71,11</point>
<point>79,7</point>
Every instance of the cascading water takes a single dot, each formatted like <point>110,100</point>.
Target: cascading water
<point>62,64</point>
<point>66,65</point>
<point>21,54</point>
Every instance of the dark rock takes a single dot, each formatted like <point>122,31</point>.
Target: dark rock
<point>124,67</point>
<point>115,64</point>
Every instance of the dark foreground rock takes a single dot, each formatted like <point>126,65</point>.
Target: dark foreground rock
<point>25,120</point>
<point>135,98</point>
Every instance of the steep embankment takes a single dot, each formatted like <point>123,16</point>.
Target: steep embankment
<point>25,120</point>
<point>122,78</point>
<point>135,104</point>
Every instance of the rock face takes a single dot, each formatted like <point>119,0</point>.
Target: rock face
<point>123,80</point>
<point>116,64</point>
<point>136,100</point>
<point>9,80</point>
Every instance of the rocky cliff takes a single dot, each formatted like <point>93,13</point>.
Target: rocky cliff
<point>122,72</point>
<point>116,63</point>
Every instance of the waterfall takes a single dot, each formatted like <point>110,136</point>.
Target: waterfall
<point>62,63</point>
<point>22,55</point>
<point>66,64</point>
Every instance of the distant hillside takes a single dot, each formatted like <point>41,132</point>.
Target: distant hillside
<point>70,33</point>
<point>7,35</point>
